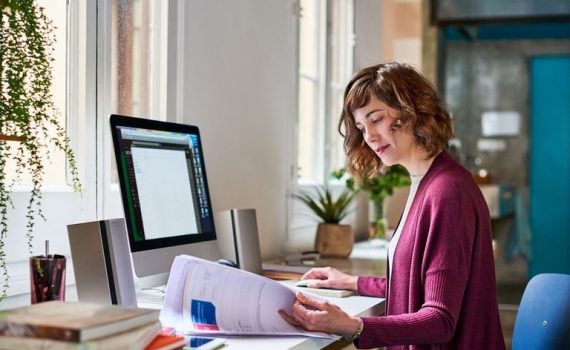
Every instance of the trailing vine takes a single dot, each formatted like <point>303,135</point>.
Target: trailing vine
<point>27,112</point>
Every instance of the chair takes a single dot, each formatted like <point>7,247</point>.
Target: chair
<point>543,318</point>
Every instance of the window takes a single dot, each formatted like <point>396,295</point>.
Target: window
<point>73,97</point>
<point>111,57</point>
<point>136,75</point>
<point>326,46</point>
<point>326,50</point>
<point>138,55</point>
<point>55,170</point>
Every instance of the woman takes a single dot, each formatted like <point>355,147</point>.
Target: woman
<point>440,285</point>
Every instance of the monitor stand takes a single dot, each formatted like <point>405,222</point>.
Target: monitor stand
<point>151,290</point>
<point>150,282</point>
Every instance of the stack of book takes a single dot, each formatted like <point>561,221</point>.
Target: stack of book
<point>71,326</point>
<point>167,340</point>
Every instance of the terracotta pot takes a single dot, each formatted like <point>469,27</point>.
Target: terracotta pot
<point>334,240</point>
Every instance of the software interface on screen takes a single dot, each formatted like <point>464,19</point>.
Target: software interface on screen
<point>164,184</point>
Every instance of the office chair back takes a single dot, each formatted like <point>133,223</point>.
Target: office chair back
<point>543,318</point>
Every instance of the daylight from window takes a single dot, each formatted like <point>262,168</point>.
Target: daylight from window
<point>55,171</point>
<point>325,67</point>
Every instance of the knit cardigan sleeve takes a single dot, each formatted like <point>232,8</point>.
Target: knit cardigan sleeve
<point>434,323</point>
<point>372,286</point>
<point>444,222</point>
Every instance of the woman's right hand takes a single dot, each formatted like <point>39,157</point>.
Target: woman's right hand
<point>328,277</point>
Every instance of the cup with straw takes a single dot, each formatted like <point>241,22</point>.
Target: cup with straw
<point>47,276</point>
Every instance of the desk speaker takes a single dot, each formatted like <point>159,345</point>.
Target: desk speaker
<point>102,262</point>
<point>238,238</point>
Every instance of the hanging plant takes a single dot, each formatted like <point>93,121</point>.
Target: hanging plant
<point>29,123</point>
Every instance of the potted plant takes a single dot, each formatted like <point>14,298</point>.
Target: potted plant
<point>333,239</point>
<point>29,127</point>
<point>378,188</point>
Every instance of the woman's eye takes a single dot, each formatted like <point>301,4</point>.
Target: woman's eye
<point>377,120</point>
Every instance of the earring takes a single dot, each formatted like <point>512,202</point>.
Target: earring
<point>399,122</point>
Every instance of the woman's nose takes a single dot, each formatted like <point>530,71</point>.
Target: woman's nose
<point>370,135</point>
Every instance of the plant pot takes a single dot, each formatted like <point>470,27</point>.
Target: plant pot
<point>334,240</point>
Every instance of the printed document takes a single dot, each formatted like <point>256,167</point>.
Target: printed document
<point>203,297</point>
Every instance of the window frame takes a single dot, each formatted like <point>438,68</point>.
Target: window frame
<point>167,107</point>
<point>301,225</point>
<point>325,120</point>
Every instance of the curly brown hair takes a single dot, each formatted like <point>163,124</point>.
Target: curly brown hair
<point>402,88</point>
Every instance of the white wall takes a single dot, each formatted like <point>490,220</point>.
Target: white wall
<point>240,78</point>
<point>368,30</point>
<point>240,69</point>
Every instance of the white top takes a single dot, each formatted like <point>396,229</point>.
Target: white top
<point>396,237</point>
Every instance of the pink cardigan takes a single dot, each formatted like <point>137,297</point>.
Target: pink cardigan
<point>442,293</point>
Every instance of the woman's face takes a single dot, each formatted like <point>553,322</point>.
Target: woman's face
<point>375,122</point>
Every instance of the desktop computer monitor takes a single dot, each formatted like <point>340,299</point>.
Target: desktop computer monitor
<point>165,193</point>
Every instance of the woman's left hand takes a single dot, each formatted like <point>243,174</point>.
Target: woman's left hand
<point>320,316</point>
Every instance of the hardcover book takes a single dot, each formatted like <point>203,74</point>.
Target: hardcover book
<point>72,321</point>
<point>135,339</point>
<point>166,342</point>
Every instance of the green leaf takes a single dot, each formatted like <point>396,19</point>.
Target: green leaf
<point>380,186</point>
<point>324,205</point>
<point>27,109</point>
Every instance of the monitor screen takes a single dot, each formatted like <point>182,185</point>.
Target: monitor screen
<point>163,184</point>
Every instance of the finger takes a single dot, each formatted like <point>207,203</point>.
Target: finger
<point>290,319</point>
<point>315,273</point>
<point>311,303</point>
<point>318,283</point>
<point>309,319</point>
<point>300,310</point>
<point>301,314</point>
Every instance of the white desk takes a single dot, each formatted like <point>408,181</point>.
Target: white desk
<point>353,305</point>
<point>368,258</point>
